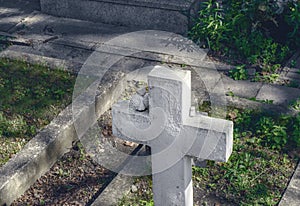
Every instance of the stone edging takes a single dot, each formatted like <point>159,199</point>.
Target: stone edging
<point>291,196</point>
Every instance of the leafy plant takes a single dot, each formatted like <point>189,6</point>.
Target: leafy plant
<point>296,104</point>
<point>239,73</point>
<point>274,136</point>
<point>296,130</point>
<point>211,27</point>
<point>292,18</point>
<point>267,101</point>
<point>270,78</point>
<point>261,32</point>
<point>293,63</point>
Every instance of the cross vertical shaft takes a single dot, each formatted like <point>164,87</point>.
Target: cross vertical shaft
<point>176,136</point>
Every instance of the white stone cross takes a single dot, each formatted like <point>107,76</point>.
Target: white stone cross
<point>173,133</point>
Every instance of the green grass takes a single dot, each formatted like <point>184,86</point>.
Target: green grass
<point>266,151</point>
<point>30,97</point>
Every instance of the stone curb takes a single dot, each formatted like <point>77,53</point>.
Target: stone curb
<point>40,153</point>
<point>291,196</point>
<point>175,16</point>
<point>37,157</point>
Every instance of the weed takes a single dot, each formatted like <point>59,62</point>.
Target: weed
<point>267,101</point>
<point>293,63</point>
<point>270,78</point>
<point>296,130</point>
<point>230,94</point>
<point>296,104</point>
<point>239,73</point>
<point>250,30</point>
<point>205,107</point>
<point>274,136</point>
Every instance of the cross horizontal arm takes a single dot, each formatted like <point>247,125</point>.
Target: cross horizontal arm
<point>139,127</point>
<point>215,136</point>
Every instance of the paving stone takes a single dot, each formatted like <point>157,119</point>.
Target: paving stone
<point>52,63</point>
<point>279,94</point>
<point>13,12</point>
<point>42,26</point>
<point>293,75</point>
<point>245,89</point>
<point>175,15</point>
<point>291,196</point>
<point>242,103</point>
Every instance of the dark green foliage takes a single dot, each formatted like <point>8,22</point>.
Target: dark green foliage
<point>260,31</point>
<point>239,73</point>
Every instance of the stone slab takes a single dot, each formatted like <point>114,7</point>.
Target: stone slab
<point>115,191</point>
<point>242,103</point>
<point>121,185</point>
<point>175,15</point>
<point>294,75</point>
<point>53,63</point>
<point>13,12</point>
<point>245,89</point>
<point>42,27</point>
<point>279,94</point>
<point>291,196</point>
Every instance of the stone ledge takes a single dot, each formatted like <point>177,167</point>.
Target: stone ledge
<point>159,4</point>
<point>291,196</point>
<point>37,157</point>
<point>175,16</point>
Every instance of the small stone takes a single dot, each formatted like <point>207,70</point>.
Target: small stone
<point>134,188</point>
<point>137,103</point>
<point>142,91</point>
<point>129,144</point>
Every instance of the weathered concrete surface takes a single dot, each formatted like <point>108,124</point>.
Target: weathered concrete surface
<point>13,12</point>
<point>115,191</point>
<point>279,94</point>
<point>245,89</point>
<point>291,196</point>
<point>290,74</point>
<point>174,15</point>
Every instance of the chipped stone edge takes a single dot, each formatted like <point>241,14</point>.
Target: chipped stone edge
<point>291,196</point>
<point>57,138</point>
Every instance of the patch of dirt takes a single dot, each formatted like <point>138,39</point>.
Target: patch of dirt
<point>73,180</point>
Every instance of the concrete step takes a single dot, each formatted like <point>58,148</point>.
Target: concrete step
<point>168,15</point>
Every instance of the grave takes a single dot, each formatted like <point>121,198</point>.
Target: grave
<point>164,120</point>
<point>168,15</point>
